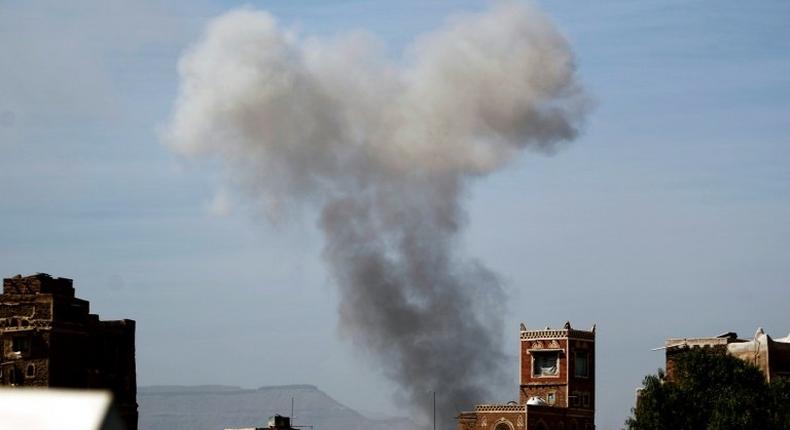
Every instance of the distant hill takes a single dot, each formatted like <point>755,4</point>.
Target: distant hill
<point>215,407</point>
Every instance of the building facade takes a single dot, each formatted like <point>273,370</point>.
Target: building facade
<point>556,385</point>
<point>771,356</point>
<point>49,338</point>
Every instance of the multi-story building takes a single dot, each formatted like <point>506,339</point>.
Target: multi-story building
<point>771,356</point>
<point>49,338</point>
<point>556,387</point>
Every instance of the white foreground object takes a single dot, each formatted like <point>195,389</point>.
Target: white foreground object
<point>54,409</point>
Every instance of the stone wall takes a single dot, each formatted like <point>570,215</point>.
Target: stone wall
<point>49,339</point>
<point>38,283</point>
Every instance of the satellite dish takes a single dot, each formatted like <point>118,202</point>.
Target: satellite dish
<point>536,401</point>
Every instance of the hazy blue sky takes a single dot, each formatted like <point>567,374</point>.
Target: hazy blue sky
<point>667,217</point>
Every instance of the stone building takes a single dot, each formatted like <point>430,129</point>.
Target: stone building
<point>49,338</point>
<point>556,385</point>
<point>771,356</point>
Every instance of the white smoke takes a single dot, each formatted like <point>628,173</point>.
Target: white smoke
<point>384,153</point>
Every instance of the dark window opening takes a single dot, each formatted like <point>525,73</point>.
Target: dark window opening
<point>30,371</point>
<point>545,363</point>
<point>14,376</point>
<point>20,344</point>
<point>581,365</point>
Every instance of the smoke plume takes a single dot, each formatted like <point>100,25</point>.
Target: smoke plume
<point>384,152</point>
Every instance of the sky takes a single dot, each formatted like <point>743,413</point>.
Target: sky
<point>667,216</point>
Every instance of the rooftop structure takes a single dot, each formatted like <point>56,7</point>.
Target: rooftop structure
<point>276,422</point>
<point>771,356</point>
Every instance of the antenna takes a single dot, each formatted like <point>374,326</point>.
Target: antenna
<point>292,408</point>
<point>434,410</point>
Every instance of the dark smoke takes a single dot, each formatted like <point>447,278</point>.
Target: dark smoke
<point>385,154</point>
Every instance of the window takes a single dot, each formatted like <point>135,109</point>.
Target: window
<point>581,365</point>
<point>20,344</point>
<point>30,371</point>
<point>551,398</point>
<point>502,426</point>
<point>545,363</point>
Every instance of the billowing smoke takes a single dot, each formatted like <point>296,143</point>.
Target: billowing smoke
<point>385,151</point>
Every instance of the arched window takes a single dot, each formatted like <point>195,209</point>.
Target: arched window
<point>540,425</point>
<point>31,370</point>
<point>502,426</point>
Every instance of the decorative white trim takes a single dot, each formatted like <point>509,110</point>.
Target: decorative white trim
<point>557,334</point>
<point>498,408</point>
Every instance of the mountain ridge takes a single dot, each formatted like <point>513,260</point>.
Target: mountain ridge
<point>215,407</point>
